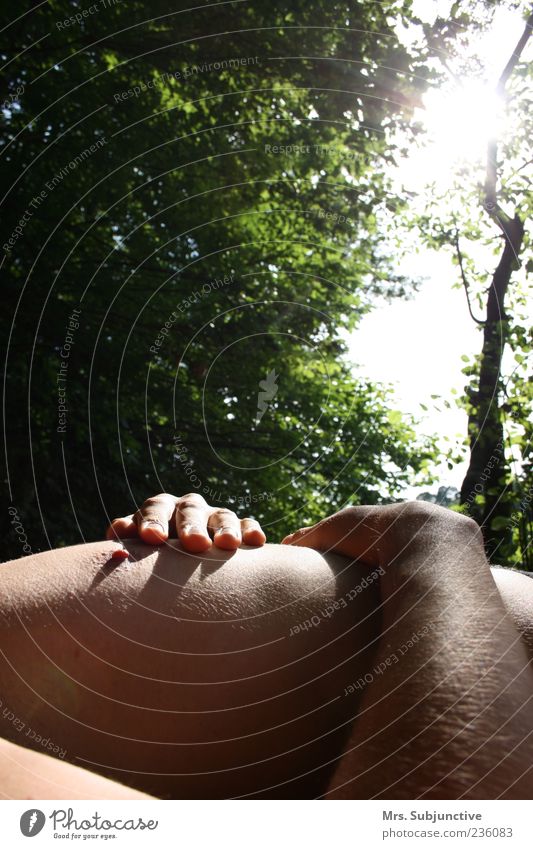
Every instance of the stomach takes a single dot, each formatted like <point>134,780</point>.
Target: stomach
<point>188,676</point>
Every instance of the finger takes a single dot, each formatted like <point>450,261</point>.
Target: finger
<point>297,538</point>
<point>226,528</point>
<point>354,531</point>
<point>191,523</point>
<point>153,518</point>
<point>252,532</point>
<point>123,528</point>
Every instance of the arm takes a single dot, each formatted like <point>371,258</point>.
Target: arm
<point>451,713</point>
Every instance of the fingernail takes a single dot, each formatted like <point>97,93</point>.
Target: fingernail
<point>120,554</point>
<point>230,531</point>
<point>255,533</point>
<point>153,532</point>
<point>191,529</point>
<point>152,523</point>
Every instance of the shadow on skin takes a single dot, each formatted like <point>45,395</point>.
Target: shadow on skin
<point>179,673</point>
<point>208,562</point>
<point>176,574</point>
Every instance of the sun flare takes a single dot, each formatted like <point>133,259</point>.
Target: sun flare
<point>461,121</point>
<point>457,124</point>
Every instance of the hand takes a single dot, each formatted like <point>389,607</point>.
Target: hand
<point>352,532</point>
<point>377,535</point>
<point>191,519</point>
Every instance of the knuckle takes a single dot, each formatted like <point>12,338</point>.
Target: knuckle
<point>155,500</point>
<point>191,499</point>
<point>224,513</point>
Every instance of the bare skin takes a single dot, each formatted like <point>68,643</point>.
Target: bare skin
<point>177,673</point>
<point>183,676</point>
<point>26,774</point>
<point>190,519</point>
<point>453,717</point>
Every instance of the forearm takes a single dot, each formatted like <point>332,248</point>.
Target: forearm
<point>448,712</point>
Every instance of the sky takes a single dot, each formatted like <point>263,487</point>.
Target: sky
<point>417,345</point>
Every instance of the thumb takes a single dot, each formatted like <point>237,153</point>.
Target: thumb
<point>354,532</point>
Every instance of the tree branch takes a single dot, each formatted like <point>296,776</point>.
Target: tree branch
<point>488,469</point>
<point>463,277</point>
<point>515,56</point>
<point>491,176</point>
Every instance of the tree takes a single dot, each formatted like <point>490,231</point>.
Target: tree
<point>488,472</point>
<point>177,227</point>
<point>484,218</point>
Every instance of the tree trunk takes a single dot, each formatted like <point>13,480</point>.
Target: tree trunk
<point>487,474</point>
